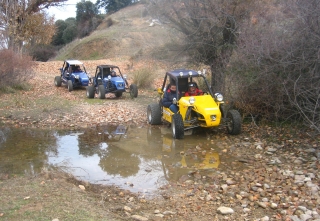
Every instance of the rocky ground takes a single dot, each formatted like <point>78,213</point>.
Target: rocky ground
<point>279,177</point>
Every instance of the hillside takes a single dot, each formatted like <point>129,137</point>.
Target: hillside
<point>131,34</point>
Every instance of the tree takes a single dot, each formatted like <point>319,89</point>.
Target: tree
<point>57,39</point>
<point>38,29</point>
<point>111,6</point>
<point>87,18</point>
<point>15,15</point>
<point>209,27</point>
<point>86,11</point>
<point>70,32</point>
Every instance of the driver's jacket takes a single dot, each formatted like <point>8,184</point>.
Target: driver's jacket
<point>195,93</point>
<point>168,97</point>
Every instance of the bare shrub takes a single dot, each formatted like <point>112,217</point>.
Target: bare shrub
<point>15,69</point>
<point>143,77</point>
<point>210,30</point>
<point>109,22</point>
<point>275,72</point>
<point>42,52</point>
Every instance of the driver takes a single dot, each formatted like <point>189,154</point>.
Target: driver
<point>193,90</point>
<point>113,73</point>
<point>77,68</point>
<point>169,96</point>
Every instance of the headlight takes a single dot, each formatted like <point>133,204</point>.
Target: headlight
<point>181,74</point>
<point>125,76</point>
<point>76,77</point>
<point>190,73</point>
<point>218,97</point>
<point>213,117</point>
<point>192,100</point>
<point>109,77</point>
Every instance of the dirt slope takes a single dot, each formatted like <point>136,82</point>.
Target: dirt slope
<point>132,34</point>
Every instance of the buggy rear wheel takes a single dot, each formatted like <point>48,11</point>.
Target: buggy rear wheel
<point>154,114</point>
<point>177,126</point>
<point>90,91</point>
<point>133,90</point>
<point>70,86</point>
<point>118,94</point>
<point>57,81</point>
<point>101,92</point>
<point>234,122</point>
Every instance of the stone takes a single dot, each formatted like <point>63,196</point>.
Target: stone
<point>139,218</point>
<point>225,210</point>
<point>305,217</point>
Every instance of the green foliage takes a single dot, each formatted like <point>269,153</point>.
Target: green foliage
<point>70,33</point>
<point>87,18</point>
<point>86,11</point>
<point>111,6</point>
<point>143,78</point>
<point>60,27</point>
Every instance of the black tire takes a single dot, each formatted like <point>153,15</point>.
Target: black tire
<point>133,90</point>
<point>177,126</point>
<point>57,81</point>
<point>101,92</point>
<point>154,114</point>
<point>90,91</point>
<point>233,122</point>
<point>118,94</point>
<point>70,86</point>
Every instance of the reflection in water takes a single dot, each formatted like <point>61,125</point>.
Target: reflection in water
<point>135,158</point>
<point>24,150</point>
<point>116,161</point>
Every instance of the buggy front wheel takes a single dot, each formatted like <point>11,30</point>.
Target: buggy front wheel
<point>101,92</point>
<point>177,126</point>
<point>57,81</point>
<point>154,114</point>
<point>70,86</point>
<point>233,122</point>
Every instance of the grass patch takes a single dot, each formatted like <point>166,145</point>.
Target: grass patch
<point>143,77</point>
<point>95,101</point>
<point>16,87</point>
<point>49,196</point>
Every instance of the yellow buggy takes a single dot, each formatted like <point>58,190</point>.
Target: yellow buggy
<point>206,110</point>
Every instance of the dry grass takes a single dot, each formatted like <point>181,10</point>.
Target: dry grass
<point>144,77</point>
<point>125,33</point>
<point>48,196</point>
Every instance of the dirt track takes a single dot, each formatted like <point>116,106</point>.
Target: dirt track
<point>45,105</point>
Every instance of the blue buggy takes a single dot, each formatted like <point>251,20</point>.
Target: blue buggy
<point>109,79</point>
<point>73,74</point>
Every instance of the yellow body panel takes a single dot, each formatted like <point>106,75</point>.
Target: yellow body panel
<point>205,106</point>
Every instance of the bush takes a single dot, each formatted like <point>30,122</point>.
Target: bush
<point>42,52</point>
<point>15,69</point>
<point>109,22</point>
<point>143,78</point>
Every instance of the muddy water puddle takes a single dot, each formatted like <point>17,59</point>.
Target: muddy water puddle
<point>140,159</point>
